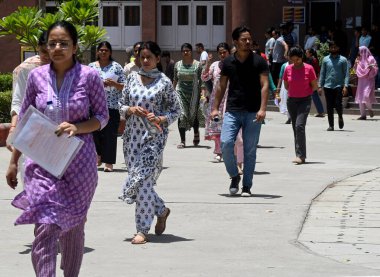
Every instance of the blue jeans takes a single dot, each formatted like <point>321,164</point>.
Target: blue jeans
<point>232,122</point>
<point>317,102</point>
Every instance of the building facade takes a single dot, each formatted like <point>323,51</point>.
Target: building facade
<point>171,23</point>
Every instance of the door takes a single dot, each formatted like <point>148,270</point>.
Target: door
<point>110,19</point>
<point>122,20</point>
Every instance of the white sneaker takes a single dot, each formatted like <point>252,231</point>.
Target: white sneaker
<point>218,158</point>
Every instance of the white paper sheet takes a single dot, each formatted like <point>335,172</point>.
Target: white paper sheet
<point>34,136</point>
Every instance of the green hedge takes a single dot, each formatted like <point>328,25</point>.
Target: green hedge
<point>5,106</point>
<point>5,81</point>
<point>5,97</point>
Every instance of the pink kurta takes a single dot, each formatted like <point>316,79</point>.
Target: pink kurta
<point>212,131</point>
<point>365,93</point>
<point>64,201</point>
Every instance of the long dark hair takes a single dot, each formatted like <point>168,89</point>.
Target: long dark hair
<point>152,47</point>
<point>70,28</point>
<point>106,44</point>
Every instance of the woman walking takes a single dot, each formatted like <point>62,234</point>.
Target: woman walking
<point>300,81</point>
<point>58,207</point>
<point>187,82</point>
<point>366,69</point>
<point>113,78</point>
<point>212,72</point>
<point>150,105</point>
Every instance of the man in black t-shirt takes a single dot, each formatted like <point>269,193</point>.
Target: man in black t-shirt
<point>247,74</point>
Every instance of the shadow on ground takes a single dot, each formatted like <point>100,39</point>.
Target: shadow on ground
<point>164,238</point>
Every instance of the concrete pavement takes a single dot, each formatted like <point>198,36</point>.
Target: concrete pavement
<point>317,219</point>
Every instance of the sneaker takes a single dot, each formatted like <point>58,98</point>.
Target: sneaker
<point>341,123</point>
<point>320,115</point>
<point>245,192</point>
<point>362,118</point>
<point>330,129</point>
<point>218,158</point>
<point>234,186</point>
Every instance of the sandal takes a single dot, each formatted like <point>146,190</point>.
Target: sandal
<point>196,139</point>
<point>181,145</point>
<point>139,238</point>
<point>108,168</point>
<point>161,222</point>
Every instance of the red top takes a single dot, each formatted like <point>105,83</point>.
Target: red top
<point>299,80</point>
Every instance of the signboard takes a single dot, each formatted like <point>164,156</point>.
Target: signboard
<point>296,14</point>
<point>27,52</point>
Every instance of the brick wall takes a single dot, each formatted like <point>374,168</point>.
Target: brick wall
<point>9,47</point>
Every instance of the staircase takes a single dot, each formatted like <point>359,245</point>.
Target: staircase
<point>350,108</point>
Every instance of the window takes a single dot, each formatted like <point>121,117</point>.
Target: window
<point>166,16</point>
<point>110,16</point>
<point>201,15</point>
<point>218,15</point>
<point>131,16</point>
<point>183,15</point>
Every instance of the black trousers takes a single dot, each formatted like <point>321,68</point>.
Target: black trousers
<point>106,139</point>
<point>276,68</point>
<point>334,98</point>
<point>182,131</point>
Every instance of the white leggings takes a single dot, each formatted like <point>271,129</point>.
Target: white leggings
<point>363,107</point>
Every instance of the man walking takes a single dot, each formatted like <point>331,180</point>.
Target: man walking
<point>203,56</point>
<point>333,80</point>
<point>247,74</point>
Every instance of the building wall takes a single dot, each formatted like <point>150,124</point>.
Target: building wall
<point>256,14</point>
<point>9,46</point>
<point>149,20</point>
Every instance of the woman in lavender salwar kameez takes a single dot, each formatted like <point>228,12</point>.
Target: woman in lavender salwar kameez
<point>58,207</point>
<point>149,103</point>
<point>366,69</point>
<point>212,72</point>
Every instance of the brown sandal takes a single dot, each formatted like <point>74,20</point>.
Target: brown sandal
<point>161,222</point>
<point>142,239</point>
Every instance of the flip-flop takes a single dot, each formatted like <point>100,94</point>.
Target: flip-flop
<point>142,235</point>
<point>181,145</point>
<point>107,169</point>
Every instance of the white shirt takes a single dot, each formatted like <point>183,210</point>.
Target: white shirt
<point>130,67</point>
<point>269,46</point>
<point>20,78</point>
<point>204,57</point>
<point>310,42</point>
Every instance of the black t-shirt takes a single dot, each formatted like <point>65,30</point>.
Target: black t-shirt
<point>244,91</point>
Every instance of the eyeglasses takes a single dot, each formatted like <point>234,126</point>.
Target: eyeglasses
<point>63,44</point>
<point>186,51</point>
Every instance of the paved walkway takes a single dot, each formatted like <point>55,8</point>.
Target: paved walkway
<point>277,232</point>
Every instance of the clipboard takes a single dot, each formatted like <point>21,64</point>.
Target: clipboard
<point>34,136</point>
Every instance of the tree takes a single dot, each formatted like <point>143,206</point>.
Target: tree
<point>27,23</point>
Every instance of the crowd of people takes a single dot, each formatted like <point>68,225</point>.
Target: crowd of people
<point>228,96</point>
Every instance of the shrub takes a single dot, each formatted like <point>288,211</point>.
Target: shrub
<point>5,106</point>
<point>5,81</point>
